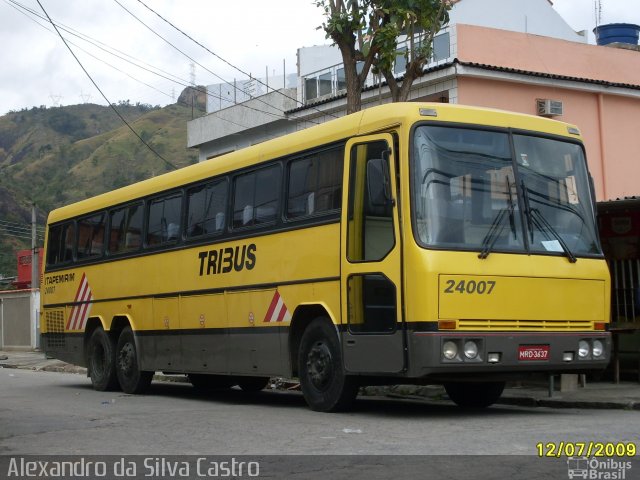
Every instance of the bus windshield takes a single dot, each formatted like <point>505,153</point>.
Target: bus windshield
<point>473,190</point>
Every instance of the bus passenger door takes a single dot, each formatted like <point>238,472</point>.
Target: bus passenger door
<point>373,337</point>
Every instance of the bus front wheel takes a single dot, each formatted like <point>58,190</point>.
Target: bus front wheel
<point>130,377</point>
<point>325,386</point>
<point>101,361</point>
<point>474,395</point>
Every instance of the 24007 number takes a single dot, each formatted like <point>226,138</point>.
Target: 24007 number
<point>481,287</point>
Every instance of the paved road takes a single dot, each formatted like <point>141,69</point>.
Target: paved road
<point>57,413</point>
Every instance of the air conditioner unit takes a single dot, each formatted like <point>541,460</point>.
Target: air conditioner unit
<point>548,108</point>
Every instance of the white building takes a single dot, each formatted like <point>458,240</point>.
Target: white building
<point>319,92</point>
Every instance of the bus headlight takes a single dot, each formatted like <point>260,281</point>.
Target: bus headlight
<point>449,350</point>
<point>470,349</point>
<point>598,348</point>
<point>583,349</point>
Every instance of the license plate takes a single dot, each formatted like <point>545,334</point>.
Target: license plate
<point>533,352</point>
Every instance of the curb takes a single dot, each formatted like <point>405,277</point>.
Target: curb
<point>551,403</point>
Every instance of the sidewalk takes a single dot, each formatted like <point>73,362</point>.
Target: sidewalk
<point>600,395</point>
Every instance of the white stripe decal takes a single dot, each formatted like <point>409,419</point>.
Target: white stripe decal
<point>80,308</point>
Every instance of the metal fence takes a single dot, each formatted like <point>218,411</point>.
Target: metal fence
<point>625,285</point>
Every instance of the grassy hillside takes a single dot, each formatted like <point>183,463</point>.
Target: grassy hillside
<point>55,156</point>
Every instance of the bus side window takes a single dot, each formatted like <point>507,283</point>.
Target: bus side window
<point>61,244</point>
<point>91,236</point>
<point>206,205</point>
<point>125,230</point>
<point>163,221</point>
<point>315,183</point>
<point>256,197</point>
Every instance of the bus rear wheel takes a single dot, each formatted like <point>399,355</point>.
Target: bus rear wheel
<point>325,386</point>
<point>474,395</point>
<point>130,377</point>
<point>101,361</point>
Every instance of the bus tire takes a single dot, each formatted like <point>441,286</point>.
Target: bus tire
<point>101,361</point>
<point>474,395</point>
<point>252,384</point>
<point>325,386</point>
<point>130,377</point>
<point>206,383</point>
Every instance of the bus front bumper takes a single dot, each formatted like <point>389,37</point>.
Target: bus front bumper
<point>477,353</point>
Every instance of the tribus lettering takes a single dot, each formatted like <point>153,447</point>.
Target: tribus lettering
<point>227,259</point>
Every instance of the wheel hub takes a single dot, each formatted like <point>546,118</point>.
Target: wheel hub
<point>319,365</point>
<point>126,359</point>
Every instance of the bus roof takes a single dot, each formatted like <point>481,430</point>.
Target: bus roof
<point>375,119</point>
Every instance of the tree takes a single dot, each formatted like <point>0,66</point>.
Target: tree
<point>367,33</point>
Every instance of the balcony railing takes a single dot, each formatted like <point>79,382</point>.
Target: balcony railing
<point>331,81</point>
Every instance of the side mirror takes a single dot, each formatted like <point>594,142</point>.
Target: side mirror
<point>378,183</point>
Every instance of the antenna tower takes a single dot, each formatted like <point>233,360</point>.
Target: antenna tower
<point>85,96</point>
<point>55,99</point>
<point>192,73</point>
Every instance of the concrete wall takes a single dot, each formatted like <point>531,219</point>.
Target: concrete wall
<point>531,16</point>
<point>16,320</point>
<point>242,125</point>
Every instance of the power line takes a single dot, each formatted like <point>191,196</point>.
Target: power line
<point>224,60</point>
<point>106,48</point>
<point>102,93</point>
<point>205,68</point>
<point>17,6</point>
<point>86,38</point>
<point>131,60</point>
<point>23,226</point>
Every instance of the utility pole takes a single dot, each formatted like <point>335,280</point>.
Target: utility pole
<point>35,270</point>
<point>35,282</point>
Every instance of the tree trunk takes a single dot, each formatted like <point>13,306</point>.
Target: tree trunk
<point>352,79</point>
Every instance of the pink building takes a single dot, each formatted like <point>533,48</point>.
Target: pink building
<point>599,88</point>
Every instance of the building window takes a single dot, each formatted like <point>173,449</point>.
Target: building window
<point>341,79</point>
<point>311,88</point>
<point>441,47</point>
<point>401,61</point>
<point>324,84</point>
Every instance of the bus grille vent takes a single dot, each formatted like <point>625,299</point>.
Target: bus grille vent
<point>526,325</point>
<point>55,328</point>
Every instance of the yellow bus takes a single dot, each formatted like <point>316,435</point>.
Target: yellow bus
<point>407,243</point>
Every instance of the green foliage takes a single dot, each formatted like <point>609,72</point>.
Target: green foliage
<point>368,31</point>
<point>67,124</point>
<point>60,155</point>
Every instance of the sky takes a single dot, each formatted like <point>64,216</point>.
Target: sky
<point>254,36</point>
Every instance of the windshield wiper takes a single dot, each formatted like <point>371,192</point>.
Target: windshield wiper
<point>527,209</point>
<point>491,237</point>
<point>493,234</point>
<point>543,224</point>
<point>535,217</point>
